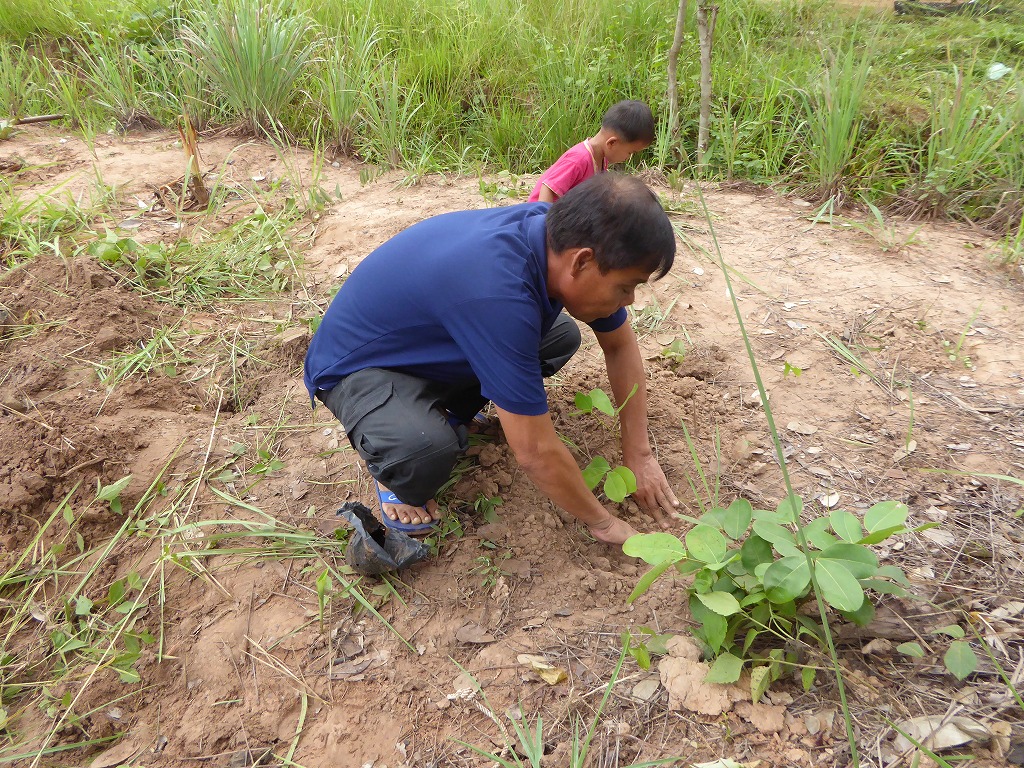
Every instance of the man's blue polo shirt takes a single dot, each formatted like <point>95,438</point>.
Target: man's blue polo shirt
<point>455,298</point>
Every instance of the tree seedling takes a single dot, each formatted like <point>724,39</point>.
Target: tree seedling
<point>752,583</point>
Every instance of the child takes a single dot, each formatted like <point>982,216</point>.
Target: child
<point>627,128</point>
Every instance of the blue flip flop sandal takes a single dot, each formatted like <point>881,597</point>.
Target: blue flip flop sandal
<point>411,529</point>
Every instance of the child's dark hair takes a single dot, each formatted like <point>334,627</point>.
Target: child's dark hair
<point>630,120</point>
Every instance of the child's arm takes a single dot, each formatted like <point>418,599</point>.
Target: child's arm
<point>546,195</point>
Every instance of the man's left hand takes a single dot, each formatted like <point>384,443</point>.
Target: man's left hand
<point>653,493</point>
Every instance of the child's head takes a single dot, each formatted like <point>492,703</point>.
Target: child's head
<point>629,128</point>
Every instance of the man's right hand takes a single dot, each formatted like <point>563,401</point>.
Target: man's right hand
<point>612,531</point>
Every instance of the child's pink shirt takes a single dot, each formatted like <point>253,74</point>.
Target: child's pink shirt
<point>572,168</point>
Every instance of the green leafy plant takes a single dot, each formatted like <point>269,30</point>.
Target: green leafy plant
<point>752,582</point>
<point>619,482</point>
<point>487,507</point>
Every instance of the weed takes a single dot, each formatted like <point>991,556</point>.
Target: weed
<point>887,235</point>
<point>954,351</point>
<point>529,739</point>
<point>504,186</point>
<point>488,567</point>
<point>487,507</point>
<point>652,316</point>
<point>246,260</point>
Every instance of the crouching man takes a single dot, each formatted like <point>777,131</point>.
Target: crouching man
<point>478,306</point>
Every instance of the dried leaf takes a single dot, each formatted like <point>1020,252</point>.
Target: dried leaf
<point>473,633</point>
<point>936,732</point>
<point>549,674</point>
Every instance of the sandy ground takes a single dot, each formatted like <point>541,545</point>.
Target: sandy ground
<point>928,309</point>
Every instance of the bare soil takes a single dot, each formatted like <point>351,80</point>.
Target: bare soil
<point>928,308</point>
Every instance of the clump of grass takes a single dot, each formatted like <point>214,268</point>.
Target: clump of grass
<point>832,113</point>
<point>28,227</point>
<point>349,68</point>
<point>117,75</point>
<point>245,261</point>
<point>962,143</point>
<point>253,52</point>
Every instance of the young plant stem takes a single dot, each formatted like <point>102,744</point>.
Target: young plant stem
<point>780,454</point>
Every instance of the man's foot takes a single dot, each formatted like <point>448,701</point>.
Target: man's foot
<point>405,517</point>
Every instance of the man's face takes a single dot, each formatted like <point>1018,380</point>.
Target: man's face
<point>592,295</point>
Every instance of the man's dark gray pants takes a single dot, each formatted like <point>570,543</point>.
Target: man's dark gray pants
<point>399,424</point>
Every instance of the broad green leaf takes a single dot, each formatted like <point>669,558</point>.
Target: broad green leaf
<point>713,628</point>
<point>859,561</point>
<point>703,582</point>
<point>714,518</point>
<point>786,549</point>
<point>657,644</point>
<point>893,572</point>
<point>790,508</point>
<point>643,658</point>
<point>750,638</point>
<point>786,579</point>
<point>807,675</point>
<point>736,519</point>
<point>115,594</point>
<point>725,670</point>
<point>686,567</point>
<point>911,649</point>
<point>960,659</point>
<point>809,626</point>
<point>583,402</point>
<point>83,606</point>
<point>863,615</point>
<point>112,491</point>
<point>706,544</point>
<point>839,587</point>
<point>752,599</point>
<point>760,679</point>
<point>622,482</point>
<point>722,603</point>
<point>885,514</point>
<point>953,630</point>
<point>615,487</point>
<point>654,548</point>
<point>773,532</point>
<point>594,471</point>
<point>648,578</point>
<point>601,402</point>
<point>816,533</point>
<point>846,525</point>
<point>755,551</point>
<point>769,515</point>
<point>881,534</point>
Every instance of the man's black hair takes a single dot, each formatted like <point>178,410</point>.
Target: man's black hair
<point>620,218</point>
<point>630,121</point>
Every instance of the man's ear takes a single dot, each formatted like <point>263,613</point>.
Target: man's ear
<point>581,259</point>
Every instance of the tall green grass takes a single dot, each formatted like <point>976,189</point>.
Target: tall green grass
<point>252,52</point>
<point>806,94</point>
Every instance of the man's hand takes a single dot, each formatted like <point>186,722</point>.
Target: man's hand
<point>612,531</point>
<point>653,493</point>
